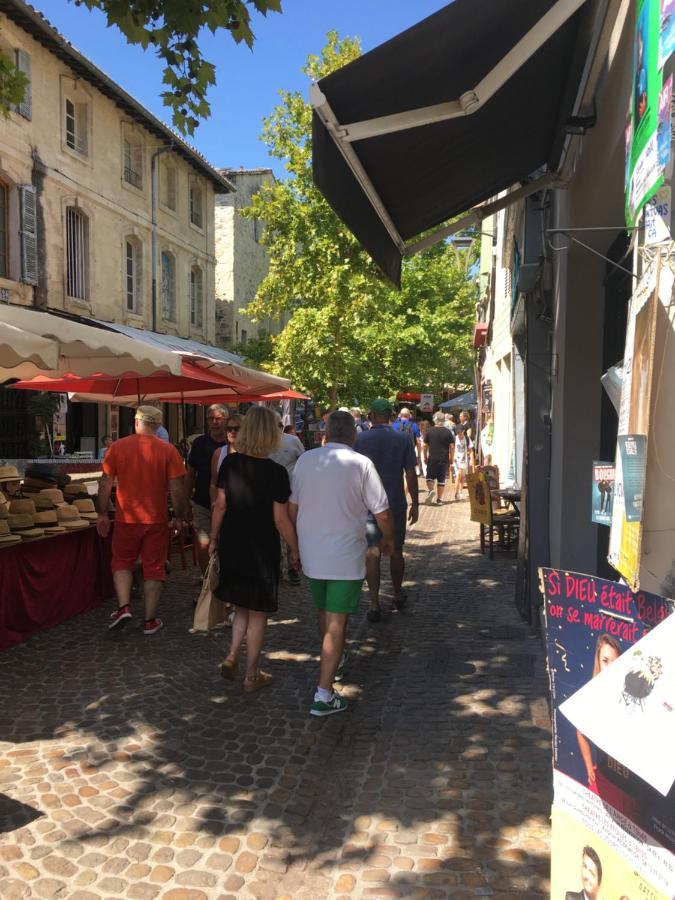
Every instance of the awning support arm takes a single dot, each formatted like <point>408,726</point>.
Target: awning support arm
<point>333,127</point>
<point>479,213</point>
<point>471,100</point>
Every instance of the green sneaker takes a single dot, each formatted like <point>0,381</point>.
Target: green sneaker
<point>327,708</point>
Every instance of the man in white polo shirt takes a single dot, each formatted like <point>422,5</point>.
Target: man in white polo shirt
<point>333,489</point>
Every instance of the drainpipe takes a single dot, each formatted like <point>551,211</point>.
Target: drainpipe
<point>153,202</point>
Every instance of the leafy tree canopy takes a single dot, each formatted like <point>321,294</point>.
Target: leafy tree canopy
<point>350,336</point>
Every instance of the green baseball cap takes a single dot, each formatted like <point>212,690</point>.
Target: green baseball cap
<point>381,406</point>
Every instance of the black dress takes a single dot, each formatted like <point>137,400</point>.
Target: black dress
<point>249,549</point>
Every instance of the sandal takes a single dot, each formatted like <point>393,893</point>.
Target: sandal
<point>228,669</point>
<point>260,680</point>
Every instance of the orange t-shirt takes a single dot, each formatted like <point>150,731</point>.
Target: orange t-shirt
<point>143,466</point>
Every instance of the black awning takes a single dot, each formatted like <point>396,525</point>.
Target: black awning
<point>426,175</point>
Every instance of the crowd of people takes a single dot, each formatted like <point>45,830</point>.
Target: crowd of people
<point>260,503</point>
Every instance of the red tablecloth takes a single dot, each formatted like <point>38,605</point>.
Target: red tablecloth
<point>43,583</point>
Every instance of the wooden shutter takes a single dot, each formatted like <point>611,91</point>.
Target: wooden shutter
<point>25,108</point>
<point>28,232</point>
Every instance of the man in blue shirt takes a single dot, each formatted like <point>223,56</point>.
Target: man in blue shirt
<point>405,424</point>
<point>393,453</point>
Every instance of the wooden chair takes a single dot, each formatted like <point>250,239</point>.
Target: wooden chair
<point>504,523</point>
<point>178,539</point>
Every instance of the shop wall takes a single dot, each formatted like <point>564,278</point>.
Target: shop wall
<point>35,151</point>
<point>594,199</point>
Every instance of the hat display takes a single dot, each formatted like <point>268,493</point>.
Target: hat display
<point>3,499</point>
<point>381,406</point>
<point>42,502</point>
<point>69,517</point>
<point>9,473</point>
<point>22,506</point>
<point>33,485</point>
<point>55,495</point>
<point>23,525</point>
<point>6,536</point>
<point>4,510</point>
<point>86,509</point>
<point>47,473</point>
<point>49,521</point>
<point>75,492</point>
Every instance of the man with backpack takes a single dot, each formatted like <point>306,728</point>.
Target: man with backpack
<point>405,424</point>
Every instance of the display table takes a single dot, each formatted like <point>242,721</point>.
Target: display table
<point>45,582</point>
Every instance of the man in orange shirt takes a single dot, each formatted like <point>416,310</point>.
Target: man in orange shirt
<point>146,469</point>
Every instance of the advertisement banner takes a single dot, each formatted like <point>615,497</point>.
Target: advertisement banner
<point>643,172</point>
<point>590,623</point>
<point>602,492</point>
<point>625,540</point>
<point>59,419</point>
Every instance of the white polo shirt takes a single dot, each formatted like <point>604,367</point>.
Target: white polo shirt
<point>334,487</point>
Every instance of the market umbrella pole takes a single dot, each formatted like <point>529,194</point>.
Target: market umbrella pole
<point>184,420</point>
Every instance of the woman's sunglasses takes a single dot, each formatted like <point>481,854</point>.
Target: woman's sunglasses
<point>233,428</point>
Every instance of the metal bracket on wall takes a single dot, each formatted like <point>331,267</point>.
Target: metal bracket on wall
<point>568,234</point>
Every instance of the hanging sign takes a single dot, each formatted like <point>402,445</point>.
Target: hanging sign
<point>643,170</point>
<point>426,403</point>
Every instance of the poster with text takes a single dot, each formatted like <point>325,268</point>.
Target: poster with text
<point>602,493</point>
<point>644,172</point>
<point>590,623</point>
<point>625,542</point>
<point>666,31</point>
<point>426,403</point>
<point>597,854</point>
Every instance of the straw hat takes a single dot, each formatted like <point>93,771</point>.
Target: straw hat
<point>6,536</point>
<point>86,509</point>
<point>4,510</point>
<point>69,517</point>
<point>3,499</point>
<point>23,525</point>
<point>75,492</point>
<point>49,521</point>
<point>22,506</point>
<point>42,503</point>
<point>9,473</point>
<point>55,495</point>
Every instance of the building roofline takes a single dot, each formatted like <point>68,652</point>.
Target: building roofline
<point>34,23</point>
<point>227,170</point>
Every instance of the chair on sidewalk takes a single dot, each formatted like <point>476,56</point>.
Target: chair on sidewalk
<point>504,523</point>
<point>177,539</point>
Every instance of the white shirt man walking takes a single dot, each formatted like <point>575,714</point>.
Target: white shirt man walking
<point>333,489</point>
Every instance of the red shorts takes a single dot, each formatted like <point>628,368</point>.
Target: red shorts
<point>149,542</point>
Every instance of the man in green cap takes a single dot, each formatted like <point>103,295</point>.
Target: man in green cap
<point>393,455</point>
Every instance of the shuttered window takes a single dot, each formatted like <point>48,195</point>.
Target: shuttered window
<point>196,297</point>
<point>168,286</point>
<point>130,276</point>
<point>168,177</point>
<point>28,233</point>
<point>77,254</point>
<point>4,233</point>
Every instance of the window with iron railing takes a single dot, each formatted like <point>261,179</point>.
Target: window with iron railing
<point>196,201</point>
<point>77,254</point>
<point>132,162</point>
<point>168,187</point>
<point>133,274</point>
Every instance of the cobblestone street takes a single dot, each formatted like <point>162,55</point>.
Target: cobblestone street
<point>129,768</point>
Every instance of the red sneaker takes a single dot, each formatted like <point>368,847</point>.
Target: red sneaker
<point>119,617</point>
<point>150,626</point>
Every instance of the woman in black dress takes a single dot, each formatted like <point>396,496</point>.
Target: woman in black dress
<point>250,512</point>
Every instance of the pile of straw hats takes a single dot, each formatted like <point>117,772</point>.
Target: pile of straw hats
<point>21,520</point>
<point>6,536</point>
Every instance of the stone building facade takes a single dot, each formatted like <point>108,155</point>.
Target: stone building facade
<point>242,261</point>
<point>75,184</point>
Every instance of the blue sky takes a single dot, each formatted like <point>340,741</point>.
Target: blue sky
<point>248,82</point>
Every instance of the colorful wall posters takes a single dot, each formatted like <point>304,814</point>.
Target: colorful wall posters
<point>625,541</point>
<point>591,623</point>
<point>602,492</point>
<point>643,172</point>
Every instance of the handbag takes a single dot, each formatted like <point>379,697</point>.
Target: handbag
<point>210,611</point>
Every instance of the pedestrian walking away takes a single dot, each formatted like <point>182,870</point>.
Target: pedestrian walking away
<point>334,488</point>
<point>394,458</point>
<point>290,450</point>
<point>147,469</point>
<point>439,442</point>
<point>405,424</point>
<point>198,478</point>
<point>250,512</point>
<point>463,447</point>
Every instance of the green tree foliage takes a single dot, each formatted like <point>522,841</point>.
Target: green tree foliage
<point>350,336</point>
<point>172,28</point>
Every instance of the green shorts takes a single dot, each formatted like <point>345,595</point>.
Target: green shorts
<point>336,596</point>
